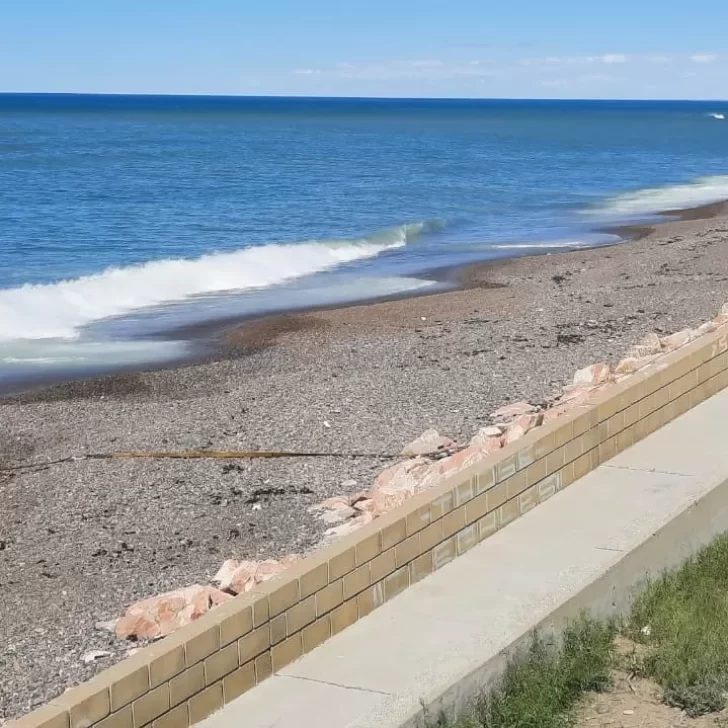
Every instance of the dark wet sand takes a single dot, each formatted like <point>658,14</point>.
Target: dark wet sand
<point>81,540</point>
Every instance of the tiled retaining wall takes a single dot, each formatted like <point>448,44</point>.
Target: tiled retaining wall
<point>187,676</point>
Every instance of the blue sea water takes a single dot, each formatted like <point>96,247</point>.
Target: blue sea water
<point>124,217</point>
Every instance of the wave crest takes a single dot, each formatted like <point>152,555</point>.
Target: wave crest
<point>59,310</point>
<point>651,201</point>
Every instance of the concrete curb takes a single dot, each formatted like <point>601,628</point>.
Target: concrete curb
<point>194,672</point>
<point>609,595</point>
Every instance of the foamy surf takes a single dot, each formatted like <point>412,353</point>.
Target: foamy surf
<point>651,201</point>
<point>59,310</point>
<point>716,115</point>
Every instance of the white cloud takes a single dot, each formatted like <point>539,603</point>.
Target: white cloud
<point>306,71</point>
<point>704,58</point>
<point>659,59</point>
<point>423,64</point>
<point>610,58</point>
<point>555,83</point>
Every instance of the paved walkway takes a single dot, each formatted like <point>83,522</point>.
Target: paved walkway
<point>443,631</point>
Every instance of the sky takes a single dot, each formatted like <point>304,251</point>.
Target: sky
<point>642,49</point>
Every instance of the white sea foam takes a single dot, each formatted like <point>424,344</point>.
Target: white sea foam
<point>716,115</point>
<point>660,199</point>
<point>59,310</point>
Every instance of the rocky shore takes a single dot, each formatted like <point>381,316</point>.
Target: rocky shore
<point>81,540</point>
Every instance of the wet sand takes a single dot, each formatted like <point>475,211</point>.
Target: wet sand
<point>81,540</point>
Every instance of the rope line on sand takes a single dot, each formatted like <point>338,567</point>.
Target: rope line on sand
<point>195,455</point>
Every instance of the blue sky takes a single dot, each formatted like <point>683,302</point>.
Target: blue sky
<point>470,48</point>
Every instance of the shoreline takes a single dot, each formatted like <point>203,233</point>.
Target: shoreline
<point>84,539</point>
<point>211,340</point>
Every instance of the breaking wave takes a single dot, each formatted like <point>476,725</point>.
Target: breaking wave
<point>59,310</point>
<point>651,201</point>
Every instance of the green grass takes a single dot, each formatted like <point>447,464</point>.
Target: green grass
<point>683,620</point>
<point>680,618</point>
<point>541,688</point>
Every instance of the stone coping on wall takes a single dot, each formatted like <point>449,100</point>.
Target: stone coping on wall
<point>185,677</point>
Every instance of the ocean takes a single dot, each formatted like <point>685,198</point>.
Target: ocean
<point>126,219</point>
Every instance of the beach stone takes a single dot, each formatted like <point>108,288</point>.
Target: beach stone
<point>332,535</point>
<point>592,375</point>
<point>338,515</point>
<point>707,328</point>
<point>400,478</point>
<point>459,461</point>
<point>675,341</point>
<point>648,346</point>
<point>520,426</point>
<point>511,411</point>
<point>236,576</point>
<point>161,615</point>
<point>627,366</point>
<point>484,434</point>
<point>428,443</point>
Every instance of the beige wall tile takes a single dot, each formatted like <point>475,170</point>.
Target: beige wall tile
<point>508,512</point>
<point>202,645</point>
<point>261,611</point>
<point>408,549</point>
<point>278,627</point>
<point>123,718</point>
<point>127,688</point>
<point>178,717</point>
<point>187,684</point>
<point>497,496</point>
<point>476,509</point>
<point>86,704</point>
<point>394,584</point>
<point>487,525</point>
<point>342,563</point>
<point>221,663</point>
<point>394,533</point>
<point>47,716</point>
<point>301,614</point>
<point>384,564</point>
<point>344,616</point>
<point>431,536</point>
<point>236,625</point>
<point>316,633</point>
<point>263,667</point>
<point>253,644</point>
<point>419,569</point>
<point>528,499</point>
<point>467,538</point>
<point>329,597</point>
<point>151,705</point>
<point>284,596</point>
<point>206,703</point>
<point>166,665</point>
<point>444,553</point>
<point>238,682</point>
<point>442,505</point>
<point>286,652</point>
<point>358,580</point>
<point>369,548</point>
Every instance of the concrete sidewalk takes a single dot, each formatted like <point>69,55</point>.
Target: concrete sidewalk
<point>438,642</point>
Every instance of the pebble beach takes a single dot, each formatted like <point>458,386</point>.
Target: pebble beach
<point>82,539</point>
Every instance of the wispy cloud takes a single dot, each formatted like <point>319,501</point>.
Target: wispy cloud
<point>704,58</point>
<point>611,58</point>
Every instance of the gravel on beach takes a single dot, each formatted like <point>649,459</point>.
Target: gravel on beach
<point>81,540</point>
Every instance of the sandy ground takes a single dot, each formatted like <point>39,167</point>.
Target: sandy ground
<point>635,702</point>
<point>81,540</point>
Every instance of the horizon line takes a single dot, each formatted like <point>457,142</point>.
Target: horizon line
<point>355,98</point>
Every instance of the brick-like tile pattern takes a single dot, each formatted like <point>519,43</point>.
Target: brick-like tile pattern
<point>186,677</point>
